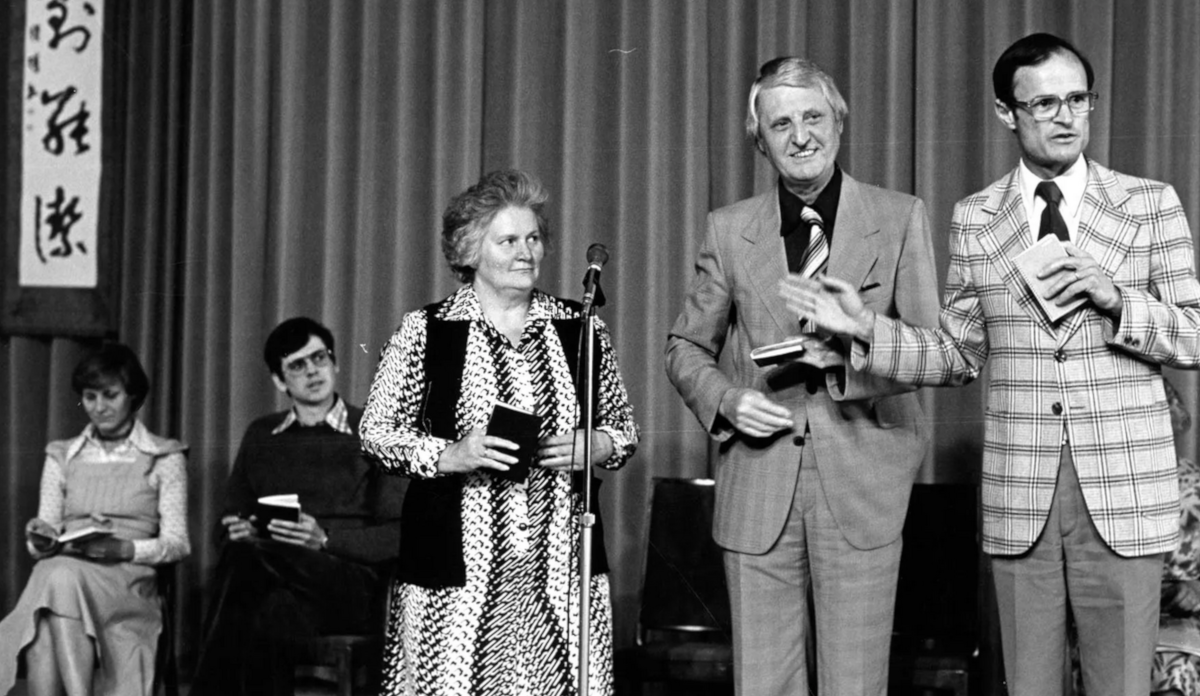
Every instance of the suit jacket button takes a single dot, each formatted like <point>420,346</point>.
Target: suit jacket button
<point>1056,409</point>
<point>798,441</point>
<point>1060,355</point>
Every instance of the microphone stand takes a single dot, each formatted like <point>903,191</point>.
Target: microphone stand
<point>587,518</point>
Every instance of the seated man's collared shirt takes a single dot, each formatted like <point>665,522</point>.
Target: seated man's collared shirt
<point>337,418</point>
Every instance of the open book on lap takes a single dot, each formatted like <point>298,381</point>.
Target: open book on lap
<point>82,534</point>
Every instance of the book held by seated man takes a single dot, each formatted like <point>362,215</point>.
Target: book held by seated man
<point>519,426</point>
<point>285,506</point>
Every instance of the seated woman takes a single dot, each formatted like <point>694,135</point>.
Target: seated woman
<point>89,618</point>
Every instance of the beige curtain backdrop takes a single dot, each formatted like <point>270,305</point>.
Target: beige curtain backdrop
<point>285,158</point>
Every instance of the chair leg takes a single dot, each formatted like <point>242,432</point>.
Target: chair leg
<point>345,671</point>
<point>166,670</point>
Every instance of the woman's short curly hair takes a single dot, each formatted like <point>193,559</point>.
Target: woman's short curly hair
<point>113,362</point>
<point>470,213</point>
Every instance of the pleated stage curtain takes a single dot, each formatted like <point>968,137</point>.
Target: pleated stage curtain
<point>285,158</point>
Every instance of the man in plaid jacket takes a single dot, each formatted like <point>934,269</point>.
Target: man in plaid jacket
<point>1079,494</point>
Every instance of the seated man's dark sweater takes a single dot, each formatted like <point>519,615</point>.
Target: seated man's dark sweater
<point>268,596</point>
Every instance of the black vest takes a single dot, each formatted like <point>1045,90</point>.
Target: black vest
<point>431,544</point>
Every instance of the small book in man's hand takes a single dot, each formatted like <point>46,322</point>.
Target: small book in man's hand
<point>285,506</point>
<point>1033,260</point>
<point>777,353</point>
<point>519,426</point>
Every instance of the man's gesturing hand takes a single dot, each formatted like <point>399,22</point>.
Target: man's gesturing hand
<point>829,304</point>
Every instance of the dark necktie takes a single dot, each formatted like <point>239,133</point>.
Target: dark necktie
<point>817,255</point>
<point>1052,219</point>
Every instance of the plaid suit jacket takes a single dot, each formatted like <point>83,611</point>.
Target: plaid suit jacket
<point>870,434</point>
<point>1086,378</point>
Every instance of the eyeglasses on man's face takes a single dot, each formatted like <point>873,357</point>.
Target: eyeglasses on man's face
<point>318,358</point>
<point>1047,107</point>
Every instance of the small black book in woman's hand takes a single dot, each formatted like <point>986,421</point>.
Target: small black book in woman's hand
<point>519,426</point>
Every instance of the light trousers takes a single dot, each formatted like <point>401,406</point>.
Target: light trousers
<point>854,593</point>
<point>1114,601</point>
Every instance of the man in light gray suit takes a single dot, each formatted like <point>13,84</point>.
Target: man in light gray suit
<point>816,459</point>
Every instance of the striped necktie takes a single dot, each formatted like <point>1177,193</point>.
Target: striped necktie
<point>816,257</point>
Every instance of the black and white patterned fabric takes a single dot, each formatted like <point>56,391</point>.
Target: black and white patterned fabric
<point>513,629</point>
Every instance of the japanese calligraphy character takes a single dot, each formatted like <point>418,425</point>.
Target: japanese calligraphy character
<point>59,221</point>
<point>53,140</point>
<point>58,8</point>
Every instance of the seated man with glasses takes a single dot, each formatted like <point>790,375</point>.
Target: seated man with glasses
<point>279,582</point>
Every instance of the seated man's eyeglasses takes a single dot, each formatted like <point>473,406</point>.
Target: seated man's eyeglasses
<point>318,358</point>
<point>1047,107</point>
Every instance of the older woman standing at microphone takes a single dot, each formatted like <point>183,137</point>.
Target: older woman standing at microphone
<point>486,596</point>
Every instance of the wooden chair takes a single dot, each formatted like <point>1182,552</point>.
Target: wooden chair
<point>353,659</point>
<point>684,625</point>
<point>166,670</point>
<point>345,660</point>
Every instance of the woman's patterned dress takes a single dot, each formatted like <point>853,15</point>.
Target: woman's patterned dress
<point>1177,659</point>
<point>513,628</point>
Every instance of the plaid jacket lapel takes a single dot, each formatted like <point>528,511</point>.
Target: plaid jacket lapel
<point>1006,235</point>
<point>1105,230</point>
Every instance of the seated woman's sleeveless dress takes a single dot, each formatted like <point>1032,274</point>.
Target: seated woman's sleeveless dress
<point>117,603</point>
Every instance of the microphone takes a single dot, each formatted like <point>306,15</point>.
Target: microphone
<point>593,295</point>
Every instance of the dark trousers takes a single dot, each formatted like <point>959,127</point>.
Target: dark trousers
<point>268,600</point>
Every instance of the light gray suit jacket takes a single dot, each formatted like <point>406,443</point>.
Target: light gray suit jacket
<point>869,434</point>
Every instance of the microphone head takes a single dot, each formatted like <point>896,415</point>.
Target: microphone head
<point>597,255</point>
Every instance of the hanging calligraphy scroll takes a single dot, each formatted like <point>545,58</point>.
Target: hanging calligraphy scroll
<point>56,257</point>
